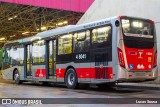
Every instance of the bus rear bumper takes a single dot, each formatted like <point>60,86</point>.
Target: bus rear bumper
<point>135,80</point>
<point>137,76</point>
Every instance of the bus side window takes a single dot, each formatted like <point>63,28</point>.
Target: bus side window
<point>14,54</point>
<point>65,44</point>
<point>81,41</point>
<point>6,57</point>
<point>21,54</point>
<point>102,35</point>
<point>38,51</point>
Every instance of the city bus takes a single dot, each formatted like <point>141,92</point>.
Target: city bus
<point>105,52</point>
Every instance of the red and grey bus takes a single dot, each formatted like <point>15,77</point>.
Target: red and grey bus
<point>108,51</point>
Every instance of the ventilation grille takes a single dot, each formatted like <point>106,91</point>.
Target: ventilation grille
<point>100,63</point>
<point>101,73</point>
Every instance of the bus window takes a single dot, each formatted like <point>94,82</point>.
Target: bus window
<point>138,33</point>
<point>14,53</point>
<point>21,54</point>
<point>50,58</point>
<point>38,52</point>
<point>6,56</point>
<point>65,44</point>
<point>81,41</point>
<point>101,35</point>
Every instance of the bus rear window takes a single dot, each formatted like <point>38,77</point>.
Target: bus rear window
<point>137,33</point>
<point>137,28</point>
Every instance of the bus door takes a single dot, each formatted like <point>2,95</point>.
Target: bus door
<point>28,58</point>
<point>52,59</point>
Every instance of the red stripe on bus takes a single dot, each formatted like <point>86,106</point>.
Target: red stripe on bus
<point>40,73</point>
<point>97,73</point>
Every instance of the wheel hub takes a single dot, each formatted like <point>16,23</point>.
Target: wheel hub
<point>16,76</point>
<point>71,78</point>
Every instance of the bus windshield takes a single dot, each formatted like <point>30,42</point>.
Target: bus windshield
<point>138,33</point>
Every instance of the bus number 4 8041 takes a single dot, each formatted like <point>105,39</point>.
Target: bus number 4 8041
<point>81,56</point>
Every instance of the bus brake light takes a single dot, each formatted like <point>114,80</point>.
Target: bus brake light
<point>121,58</point>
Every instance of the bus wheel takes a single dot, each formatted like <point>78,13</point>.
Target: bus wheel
<point>71,79</point>
<point>17,77</point>
<point>106,85</point>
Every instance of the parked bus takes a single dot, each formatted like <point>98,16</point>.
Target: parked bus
<point>108,51</point>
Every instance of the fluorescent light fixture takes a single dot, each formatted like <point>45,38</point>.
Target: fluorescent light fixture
<point>44,28</point>
<point>24,33</point>
<point>15,16</point>
<point>12,36</point>
<point>103,29</point>
<point>65,22</point>
<point>94,30</point>
<point>60,23</point>
<point>2,38</point>
<point>37,29</point>
<point>10,18</point>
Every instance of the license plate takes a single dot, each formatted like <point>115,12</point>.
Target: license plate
<point>140,74</point>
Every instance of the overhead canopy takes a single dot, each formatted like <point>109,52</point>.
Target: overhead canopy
<point>71,5</point>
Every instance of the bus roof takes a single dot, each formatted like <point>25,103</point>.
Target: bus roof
<point>64,30</point>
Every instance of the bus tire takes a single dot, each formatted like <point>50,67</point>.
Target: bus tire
<point>71,79</point>
<point>17,77</point>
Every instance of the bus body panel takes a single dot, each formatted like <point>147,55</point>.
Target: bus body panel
<point>139,59</point>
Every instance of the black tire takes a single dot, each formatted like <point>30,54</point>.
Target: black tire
<point>71,79</point>
<point>17,77</point>
<point>106,85</point>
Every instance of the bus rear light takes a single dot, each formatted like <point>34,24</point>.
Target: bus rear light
<point>121,58</point>
<point>120,17</point>
<point>155,60</point>
<point>152,21</point>
<point>110,74</point>
<point>130,75</point>
<point>149,75</point>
